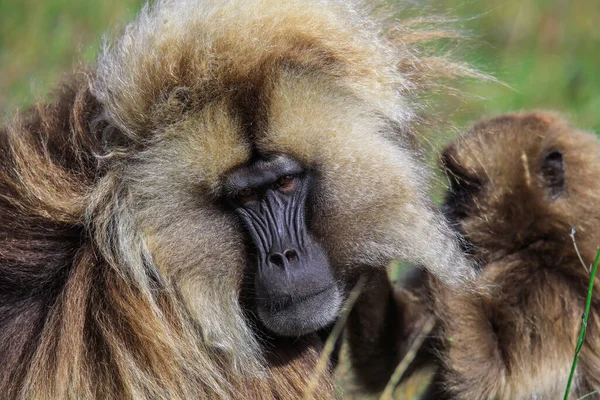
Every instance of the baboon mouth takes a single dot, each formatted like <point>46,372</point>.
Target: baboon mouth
<point>281,303</point>
<point>300,315</point>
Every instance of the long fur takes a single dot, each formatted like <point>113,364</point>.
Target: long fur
<point>121,277</point>
<point>515,337</point>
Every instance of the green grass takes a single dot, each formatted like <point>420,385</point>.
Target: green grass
<point>41,40</point>
<point>586,316</point>
<point>546,51</point>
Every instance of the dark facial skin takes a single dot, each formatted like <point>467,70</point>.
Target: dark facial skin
<point>295,289</point>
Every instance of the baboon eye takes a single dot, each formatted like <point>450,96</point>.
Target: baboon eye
<point>553,172</point>
<point>245,195</point>
<point>286,184</point>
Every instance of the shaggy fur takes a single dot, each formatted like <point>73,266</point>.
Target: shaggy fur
<point>121,275</point>
<point>516,338</point>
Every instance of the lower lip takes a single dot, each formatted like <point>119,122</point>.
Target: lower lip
<point>289,301</point>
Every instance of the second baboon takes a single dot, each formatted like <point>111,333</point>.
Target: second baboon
<point>519,184</point>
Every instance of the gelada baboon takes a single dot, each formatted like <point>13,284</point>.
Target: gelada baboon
<point>188,216</point>
<point>519,183</point>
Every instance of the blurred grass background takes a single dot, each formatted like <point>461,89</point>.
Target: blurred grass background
<point>547,52</point>
<point>40,40</point>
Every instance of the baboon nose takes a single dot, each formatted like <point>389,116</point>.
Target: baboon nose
<point>290,255</point>
<point>283,259</point>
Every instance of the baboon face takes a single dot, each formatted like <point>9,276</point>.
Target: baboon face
<point>268,170</point>
<point>294,284</point>
<point>279,207</point>
<point>510,180</point>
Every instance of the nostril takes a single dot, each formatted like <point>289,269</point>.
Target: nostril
<point>281,260</point>
<point>291,255</point>
<point>277,259</point>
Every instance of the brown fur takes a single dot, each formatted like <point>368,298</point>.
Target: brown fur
<point>120,275</point>
<point>380,330</point>
<point>515,337</point>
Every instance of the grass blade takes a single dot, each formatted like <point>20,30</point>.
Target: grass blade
<point>388,392</point>
<point>586,315</point>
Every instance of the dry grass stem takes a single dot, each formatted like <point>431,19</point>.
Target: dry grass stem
<point>333,337</point>
<point>388,392</point>
<point>572,234</point>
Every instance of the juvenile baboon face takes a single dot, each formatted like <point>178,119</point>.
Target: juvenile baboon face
<point>511,180</point>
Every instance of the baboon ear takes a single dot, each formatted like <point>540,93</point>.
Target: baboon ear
<point>553,172</point>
